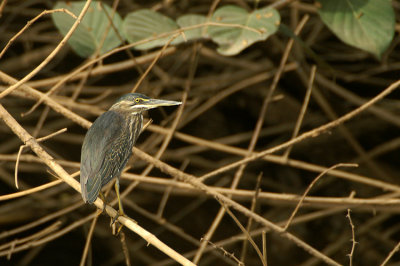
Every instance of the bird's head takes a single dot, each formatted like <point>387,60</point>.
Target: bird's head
<point>137,102</point>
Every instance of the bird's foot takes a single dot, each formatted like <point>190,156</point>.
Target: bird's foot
<point>112,224</point>
<point>116,218</point>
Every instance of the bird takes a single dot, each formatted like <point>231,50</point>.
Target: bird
<point>108,144</point>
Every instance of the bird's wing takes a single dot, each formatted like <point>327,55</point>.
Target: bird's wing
<point>105,152</point>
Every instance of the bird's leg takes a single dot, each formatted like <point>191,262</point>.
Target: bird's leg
<point>120,208</point>
<point>103,198</point>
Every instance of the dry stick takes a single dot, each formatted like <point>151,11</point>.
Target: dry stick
<point>245,232</point>
<point>254,138</point>
<point>30,191</point>
<point>225,253</point>
<point>280,3</point>
<point>30,255</point>
<point>51,55</point>
<point>99,69</point>
<point>381,149</point>
<point>47,230</point>
<point>110,25</point>
<point>142,77</point>
<point>312,133</point>
<point>386,200</point>
<point>30,22</point>
<point>250,221</point>
<point>39,124</point>
<point>125,249</point>
<point>239,237</point>
<point>311,186</point>
<point>353,238</point>
<point>390,255</point>
<point>121,39</point>
<point>122,48</point>
<point>229,202</point>
<point>96,99</point>
<point>302,110</point>
<point>52,236</point>
<point>83,79</point>
<point>343,130</point>
<point>245,83</point>
<point>23,146</point>
<point>89,66</point>
<point>2,5</point>
<point>89,238</point>
<point>168,190</point>
<point>49,161</point>
<point>166,225</point>
<point>49,101</point>
<point>279,160</point>
<point>41,220</point>
<point>317,131</point>
<point>244,193</point>
<point>174,219</point>
<point>381,203</point>
<point>58,85</point>
<point>264,245</point>
<point>337,246</point>
<point>357,100</point>
<point>12,244</point>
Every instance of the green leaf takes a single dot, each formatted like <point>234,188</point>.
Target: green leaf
<point>367,25</point>
<point>89,35</point>
<point>144,24</point>
<point>193,20</point>
<point>250,27</point>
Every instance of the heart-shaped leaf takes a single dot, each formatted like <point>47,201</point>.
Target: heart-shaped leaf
<point>367,25</point>
<point>193,20</point>
<point>146,24</point>
<point>244,29</point>
<point>95,30</point>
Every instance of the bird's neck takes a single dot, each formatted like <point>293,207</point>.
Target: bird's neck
<point>135,123</point>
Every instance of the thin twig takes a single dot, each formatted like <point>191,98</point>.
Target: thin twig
<point>51,55</point>
<point>226,253</point>
<point>390,255</point>
<point>302,110</point>
<point>309,134</point>
<point>29,23</point>
<point>125,248</point>
<point>250,221</point>
<point>311,186</point>
<point>126,221</point>
<point>249,238</point>
<point>353,238</point>
<point>89,238</point>
<point>23,146</point>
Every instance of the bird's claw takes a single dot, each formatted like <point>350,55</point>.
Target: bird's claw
<point>114,220</point>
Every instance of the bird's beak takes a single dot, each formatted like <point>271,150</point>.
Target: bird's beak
<point>153,103</point>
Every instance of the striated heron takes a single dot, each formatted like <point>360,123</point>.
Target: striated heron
<point>109,141</point>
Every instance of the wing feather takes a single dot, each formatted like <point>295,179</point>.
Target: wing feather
<point>105,152</point>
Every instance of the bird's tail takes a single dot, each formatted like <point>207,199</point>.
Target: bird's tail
<point>90,189</point>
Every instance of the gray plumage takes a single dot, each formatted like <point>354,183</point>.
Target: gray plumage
<point>109,141</point>
<point>105,151</point>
